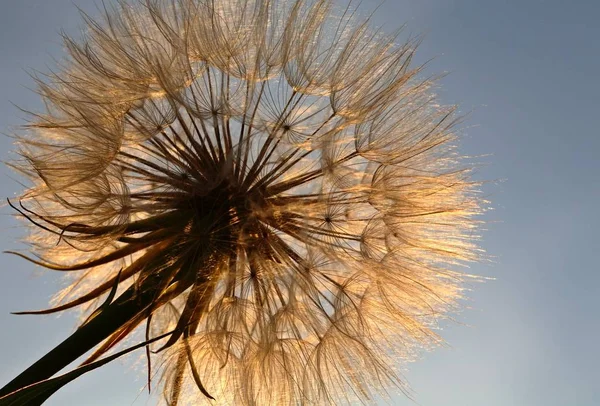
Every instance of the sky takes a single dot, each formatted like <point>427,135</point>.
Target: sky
<point>526,73</point>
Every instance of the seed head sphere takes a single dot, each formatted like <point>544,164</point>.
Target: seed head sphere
<point>270,180</point>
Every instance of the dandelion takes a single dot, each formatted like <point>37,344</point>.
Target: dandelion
<point>268,181</point>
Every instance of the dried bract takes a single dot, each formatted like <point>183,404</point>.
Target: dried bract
<point>269,179</point>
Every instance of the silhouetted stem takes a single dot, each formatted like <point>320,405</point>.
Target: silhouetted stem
<point>134,300</point>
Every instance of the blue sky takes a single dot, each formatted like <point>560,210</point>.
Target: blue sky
<point>527,72</point>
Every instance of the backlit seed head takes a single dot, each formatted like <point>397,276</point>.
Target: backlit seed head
<point>280,172</point>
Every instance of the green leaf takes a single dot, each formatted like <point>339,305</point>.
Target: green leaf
<point>37,393</point>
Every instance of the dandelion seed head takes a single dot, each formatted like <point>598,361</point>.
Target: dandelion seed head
<point>279,169</point>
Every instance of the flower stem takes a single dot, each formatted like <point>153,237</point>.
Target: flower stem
<point>130,303</point>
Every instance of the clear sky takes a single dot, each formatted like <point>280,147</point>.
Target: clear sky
<point>527,71</point>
